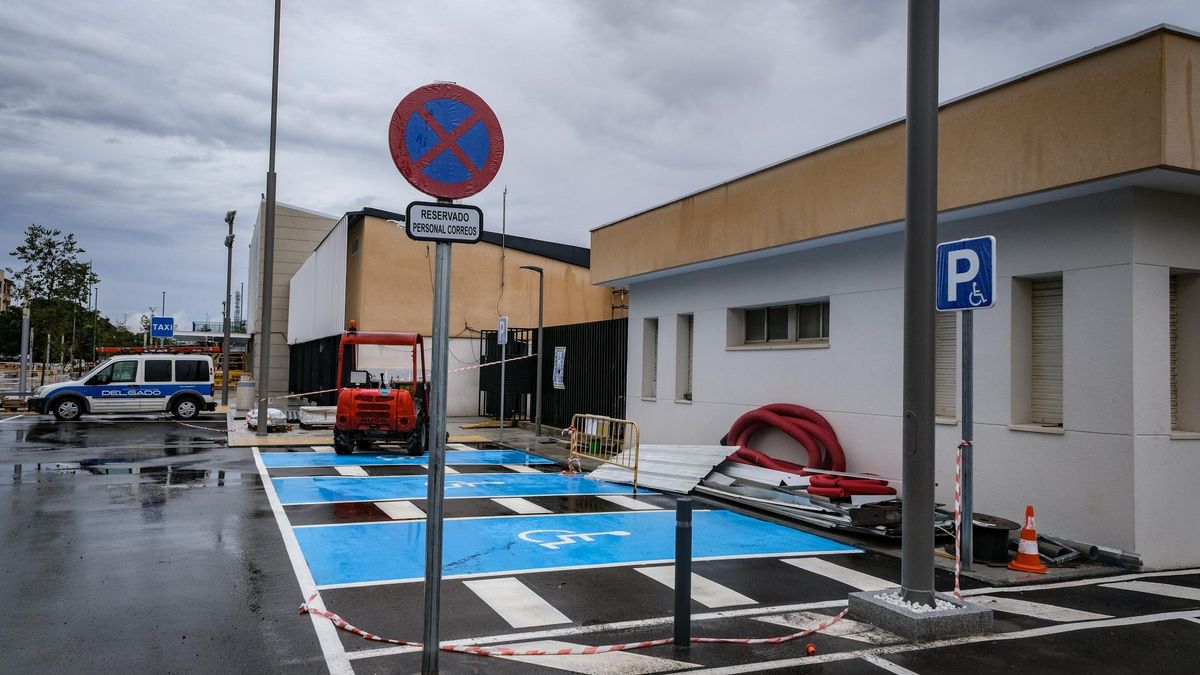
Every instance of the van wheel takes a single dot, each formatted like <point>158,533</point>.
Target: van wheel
<point>67,408</point>
<point>185,408</point>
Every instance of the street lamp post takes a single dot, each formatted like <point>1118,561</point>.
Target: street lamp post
<point>541,306</point>
<point>229,216</point>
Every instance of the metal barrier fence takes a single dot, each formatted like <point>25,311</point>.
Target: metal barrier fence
<point>606,439</point>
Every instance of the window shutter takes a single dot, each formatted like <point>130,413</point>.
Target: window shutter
<point>1174,295</point>
<point>691,336</point>
<point>946,380</point>
<point>1046,367</point>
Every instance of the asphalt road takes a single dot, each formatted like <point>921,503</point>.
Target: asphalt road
<point>142,545</point>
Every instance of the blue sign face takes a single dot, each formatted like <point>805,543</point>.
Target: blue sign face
<point>966,274</point>
<point>162,326</point>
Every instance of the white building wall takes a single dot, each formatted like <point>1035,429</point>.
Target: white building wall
<point>317,291</point>
<point>1081,479</point>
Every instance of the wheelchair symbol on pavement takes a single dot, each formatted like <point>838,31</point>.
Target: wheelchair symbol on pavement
<point>565,537</point>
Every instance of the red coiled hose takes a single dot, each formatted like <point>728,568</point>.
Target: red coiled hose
<point>814,433</point>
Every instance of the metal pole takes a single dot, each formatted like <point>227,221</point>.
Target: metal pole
<point>538,391</point>
<point>95,318</point>
<point>683,572</point>
<point>228,292</point>
<point>437,455</point>
<point>916,564</point>
<point>967,536</point>
<point>268,282</point>
<point>24,365</point>
<point>503,366</point>
<point>46,361</point>
<point>163,341</point>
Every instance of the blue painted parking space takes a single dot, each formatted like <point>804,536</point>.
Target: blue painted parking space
<point>394,552</point>
<point>276,460</point>
<point>324,489</point>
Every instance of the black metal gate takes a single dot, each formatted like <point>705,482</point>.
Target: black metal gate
<point>593,377</point>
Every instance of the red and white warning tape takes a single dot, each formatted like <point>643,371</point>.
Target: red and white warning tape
<point>491,363</point>
<point>958,517</point>
<point>219,430</point>
<point>341,623</point>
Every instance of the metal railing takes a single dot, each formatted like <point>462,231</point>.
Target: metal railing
<point>608,440</point>
<point>219,326</point>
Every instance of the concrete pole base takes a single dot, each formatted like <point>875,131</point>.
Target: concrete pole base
<point>962,619</point>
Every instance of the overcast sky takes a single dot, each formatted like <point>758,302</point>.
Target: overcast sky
<point>137,125</point>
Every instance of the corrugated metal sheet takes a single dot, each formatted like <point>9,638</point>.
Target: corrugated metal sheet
<point>668,468</point>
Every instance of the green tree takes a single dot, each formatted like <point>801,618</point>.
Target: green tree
<point>52,267</point>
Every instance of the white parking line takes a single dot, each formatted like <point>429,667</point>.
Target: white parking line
<point>704,591</point>
<point>401,510</point>
<point>887,665</point>
<point>9,419</point>
<point>520,468</point>
<point>331,645</point>
<point>521,505</point>
<point>630,503</point>
<point>863,582</point>
<point>1169,590</point>
<point>322,448</point>
<point>1036,610</point>
<point>626,663</point>
<point>516,603</point>
<point>846,628</point>
<point>351,471</point>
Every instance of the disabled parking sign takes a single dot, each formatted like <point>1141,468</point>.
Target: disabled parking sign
<point>966,274</point>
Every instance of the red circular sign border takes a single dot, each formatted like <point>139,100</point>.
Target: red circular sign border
<point>404,111</point>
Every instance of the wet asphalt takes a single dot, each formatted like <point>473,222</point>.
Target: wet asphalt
<point>141,545</point>
<point>137,544</point>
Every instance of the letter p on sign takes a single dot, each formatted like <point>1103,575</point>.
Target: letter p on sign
<point>966,274</point>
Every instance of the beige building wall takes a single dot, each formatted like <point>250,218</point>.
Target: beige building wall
<point>1124,108</point>
<point>297,234</point>
<point>389,285</point>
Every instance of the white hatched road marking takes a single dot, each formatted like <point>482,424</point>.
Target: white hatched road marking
<point>704,591</point>
<point>521,505</point>
<point>401,510</point>
<point>887,665</point>
<point>352,471</point>
<point>1036,610</point>
<point>1154,588</point>
<point>859,580</point>
<point>516,603</point>
<point>321,448</point>
<point>846,628</point>
<point>630,503</point>
<point>520,468</point>
<point>610,663</point>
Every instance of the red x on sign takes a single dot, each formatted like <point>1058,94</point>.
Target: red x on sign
<point>446,141</point>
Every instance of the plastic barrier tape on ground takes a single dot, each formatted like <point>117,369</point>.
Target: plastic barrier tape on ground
<point>341,623</point>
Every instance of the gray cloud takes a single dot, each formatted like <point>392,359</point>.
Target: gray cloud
<point>138,124</point>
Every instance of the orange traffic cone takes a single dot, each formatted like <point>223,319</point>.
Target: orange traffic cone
<point>1027,549</point>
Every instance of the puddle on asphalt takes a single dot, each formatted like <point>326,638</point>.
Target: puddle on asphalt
<point>152,474</point>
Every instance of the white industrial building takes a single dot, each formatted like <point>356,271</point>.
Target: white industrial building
<point>786,285</point>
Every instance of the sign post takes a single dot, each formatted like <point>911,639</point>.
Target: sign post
<point>502,340</point>
<point>447,143</point>
<point>966,281</point>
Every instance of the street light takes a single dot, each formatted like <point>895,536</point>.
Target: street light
<point>538,394</point>
<point>229,216</point>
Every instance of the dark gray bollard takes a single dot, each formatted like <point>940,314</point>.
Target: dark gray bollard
<point>683,572</point>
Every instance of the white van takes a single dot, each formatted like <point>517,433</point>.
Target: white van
<point>181,384</point>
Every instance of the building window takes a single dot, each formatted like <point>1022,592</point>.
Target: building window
<point>685,338</point>
<point>354,246</point>
<point>650,358</point>
<point>1037,352</point>
<point>796,323</point>
<point>1185,352</point>
<point>946,379</point>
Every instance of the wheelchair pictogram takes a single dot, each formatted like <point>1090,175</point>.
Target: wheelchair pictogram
<point>564,537</point>
<point>977,298</point>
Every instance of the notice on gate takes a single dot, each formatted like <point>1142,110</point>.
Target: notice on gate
<point>452,223</point>
<point>560,362</point>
